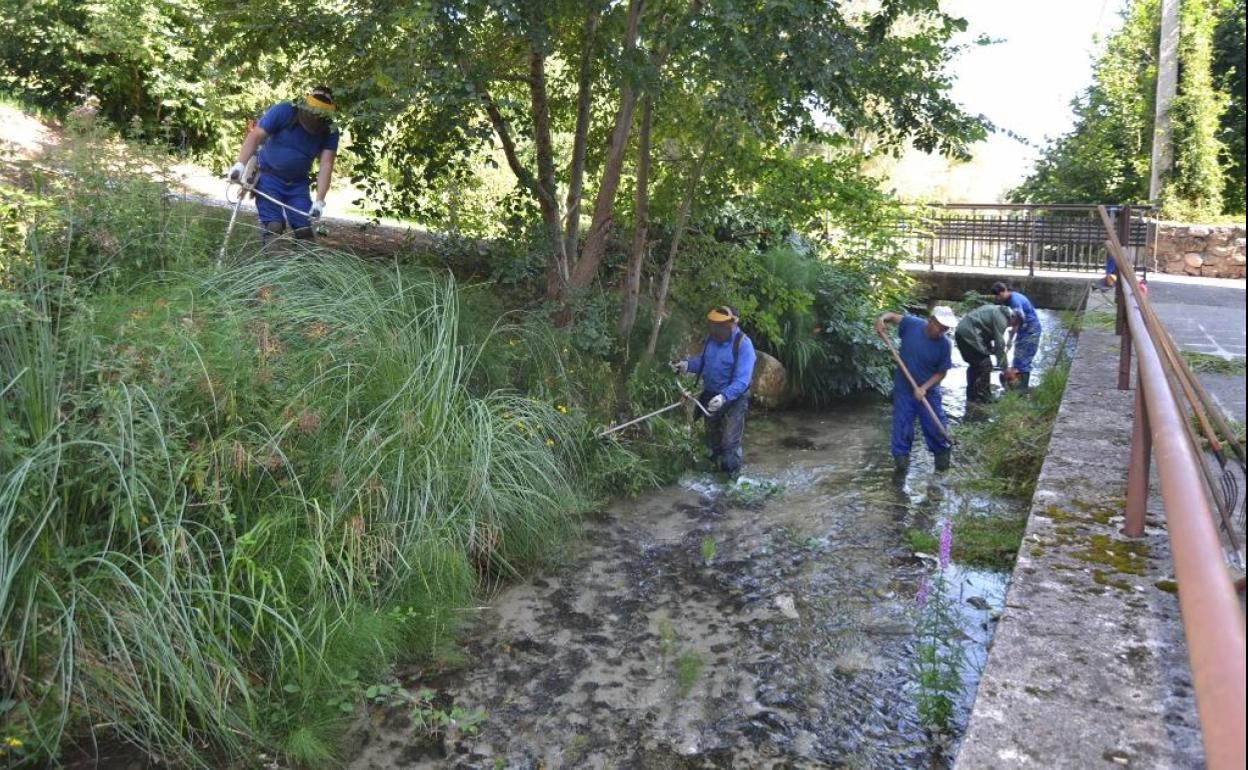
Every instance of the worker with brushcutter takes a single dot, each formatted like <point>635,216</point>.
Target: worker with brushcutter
<point>286,141</point>
<point>725,366</point>
<point>1026,339</point>
<point>925,358</point>
<point>980,336</point>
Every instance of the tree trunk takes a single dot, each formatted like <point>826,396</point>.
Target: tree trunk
<point>604,203</point>
<point>548,191</point>
<point>682,220</point>
<point>641,221</point>
<point>580,139</point>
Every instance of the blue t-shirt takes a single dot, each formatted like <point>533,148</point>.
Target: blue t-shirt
<point>715,366</point>
<point>1019,301</point>
<point>922,355</point>
<point>290,149</point>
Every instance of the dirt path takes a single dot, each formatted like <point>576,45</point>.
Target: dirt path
<point>27,140</point>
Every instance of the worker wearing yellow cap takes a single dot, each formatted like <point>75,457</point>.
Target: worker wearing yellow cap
<point>726,366</point>
<point>286,141</point>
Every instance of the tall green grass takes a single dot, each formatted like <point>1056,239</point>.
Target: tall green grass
<point>230,500</point>
<point>1008,449</point>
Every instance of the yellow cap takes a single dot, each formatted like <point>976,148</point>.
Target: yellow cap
<point>721,314</point>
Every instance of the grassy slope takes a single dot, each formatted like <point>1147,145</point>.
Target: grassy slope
<point>230,500</point>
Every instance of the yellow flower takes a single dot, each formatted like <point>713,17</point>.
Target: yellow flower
<point>13,743</point>
<point>561,409</point>
<point>550,442</point>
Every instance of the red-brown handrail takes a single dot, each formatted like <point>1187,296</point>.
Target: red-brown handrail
<point>1213,621</point>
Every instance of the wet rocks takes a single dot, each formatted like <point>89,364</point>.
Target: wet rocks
<point>787,608</point>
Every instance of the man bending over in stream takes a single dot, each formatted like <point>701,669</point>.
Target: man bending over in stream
<point>927,354</point>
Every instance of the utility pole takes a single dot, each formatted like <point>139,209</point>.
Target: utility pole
<point>1167,87</point>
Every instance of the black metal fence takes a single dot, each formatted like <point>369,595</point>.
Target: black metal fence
<point>1017,236</point>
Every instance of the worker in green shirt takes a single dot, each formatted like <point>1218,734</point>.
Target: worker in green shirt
<point>980,336</point>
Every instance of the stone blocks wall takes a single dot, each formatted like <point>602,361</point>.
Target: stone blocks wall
<point>1209,250</point>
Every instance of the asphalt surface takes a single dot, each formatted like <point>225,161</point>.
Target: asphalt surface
<point>1207,319</point>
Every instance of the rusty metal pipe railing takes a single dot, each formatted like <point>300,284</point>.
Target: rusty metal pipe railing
<point>1213,621</point>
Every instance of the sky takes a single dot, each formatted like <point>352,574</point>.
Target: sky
<point>1024,83</point>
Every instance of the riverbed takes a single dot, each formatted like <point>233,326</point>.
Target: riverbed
<point>770,624</point>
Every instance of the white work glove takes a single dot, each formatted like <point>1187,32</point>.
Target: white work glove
<point>680,367</point>
<point>715,404</point>
<point>237,171</point>
<point>318,208</point>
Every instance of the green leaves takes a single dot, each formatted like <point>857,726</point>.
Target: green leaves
<point>1106,157</point>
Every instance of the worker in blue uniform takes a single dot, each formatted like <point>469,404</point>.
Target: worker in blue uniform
<point>1026,338</point>
<point>287,140</point>
<point>927,353</point>
<point>726,367</point>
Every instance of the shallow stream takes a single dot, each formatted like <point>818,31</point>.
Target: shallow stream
<point>695,628</point>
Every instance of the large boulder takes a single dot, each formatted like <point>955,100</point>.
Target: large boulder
<point>768,384</point>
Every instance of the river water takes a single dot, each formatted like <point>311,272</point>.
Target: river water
<point>695,627</point>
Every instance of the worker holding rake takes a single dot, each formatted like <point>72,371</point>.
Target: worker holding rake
<point>285,142</point>
<point>925,358</point>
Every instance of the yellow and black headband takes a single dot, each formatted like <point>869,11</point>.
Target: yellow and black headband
<point>317,103</point>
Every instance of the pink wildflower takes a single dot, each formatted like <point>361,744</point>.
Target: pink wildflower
<point>946,543</point>
<point>921,598</point>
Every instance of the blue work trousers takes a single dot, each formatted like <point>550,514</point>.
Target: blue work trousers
<point>906,408</point>
<point>1025,346</point>
<point>293,194</point>
<point>725,429</point>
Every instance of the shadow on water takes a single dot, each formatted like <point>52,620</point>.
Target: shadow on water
<point>691,631</point>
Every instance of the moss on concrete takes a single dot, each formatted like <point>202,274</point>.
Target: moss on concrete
<point>1125,556</point>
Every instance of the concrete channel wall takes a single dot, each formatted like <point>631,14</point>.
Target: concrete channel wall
<point>1057,292</point>
<point>1088,667</point>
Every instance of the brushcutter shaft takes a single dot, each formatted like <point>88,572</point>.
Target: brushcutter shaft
<point>643,418</point>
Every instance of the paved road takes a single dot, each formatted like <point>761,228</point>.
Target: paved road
<point>1204,318</point>
<point>1207,319</point>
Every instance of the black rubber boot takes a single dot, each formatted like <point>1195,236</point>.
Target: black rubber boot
<point>1024,383</point>
<point>944,460</point>
<point>901,464</point>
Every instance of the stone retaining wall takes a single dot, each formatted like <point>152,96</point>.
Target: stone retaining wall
<point>1215,251</point>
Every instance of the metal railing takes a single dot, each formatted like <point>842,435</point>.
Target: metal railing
<point>1015,236</point>
<point>1213,619</point>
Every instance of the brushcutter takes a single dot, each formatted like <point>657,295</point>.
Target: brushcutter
<point>247,183</point>
<point>684,396</point>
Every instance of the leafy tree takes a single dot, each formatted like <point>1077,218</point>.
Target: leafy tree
<point>1228,73</point>
<point>153,66</point>
<point>558,87</point>
<point>1106,156</point>
<point>1194,187</point>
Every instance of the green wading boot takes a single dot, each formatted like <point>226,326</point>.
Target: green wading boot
<point>901,464</point>
<point>1024,383</point>
<point>944,460</point>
